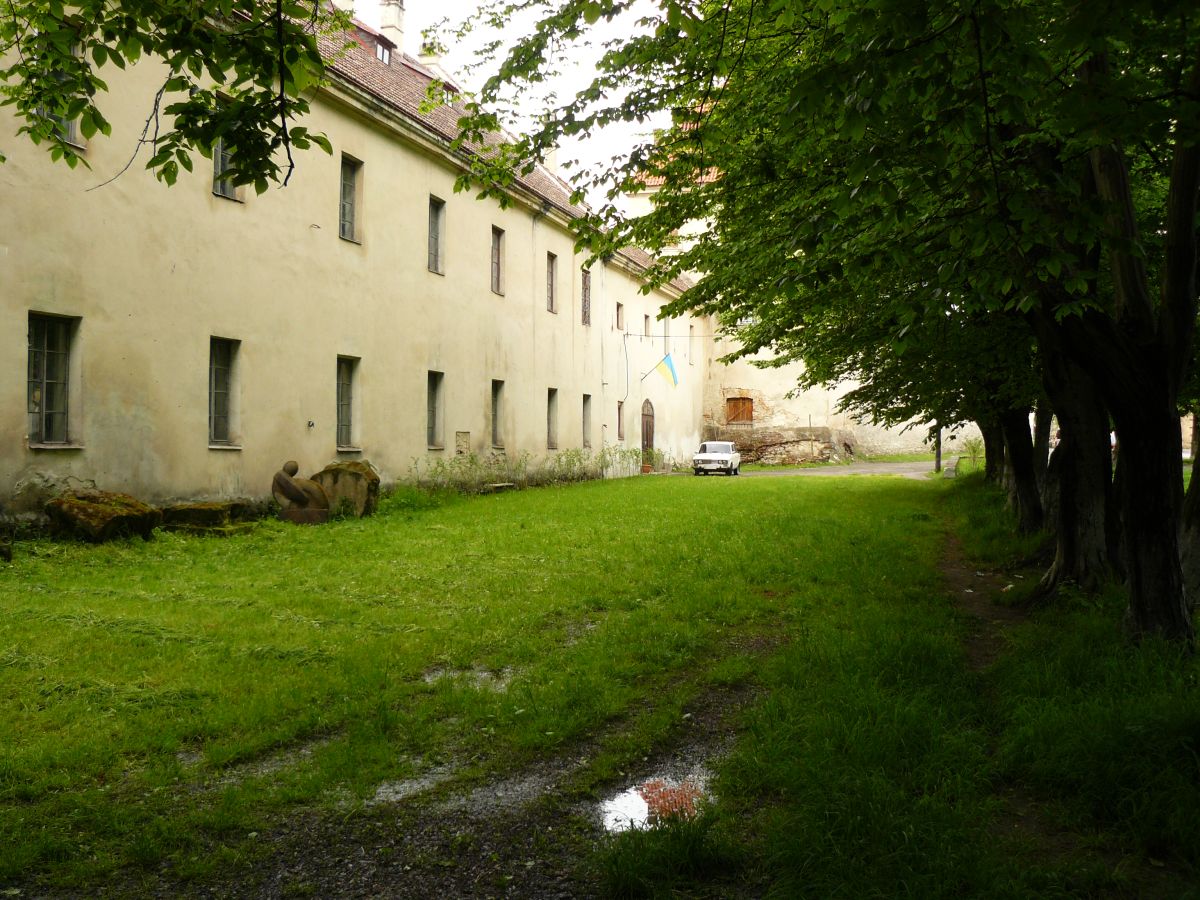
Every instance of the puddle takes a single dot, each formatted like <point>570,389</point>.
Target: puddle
<point>652,801</point>
<point>395,791</point>
<point>480,678</point>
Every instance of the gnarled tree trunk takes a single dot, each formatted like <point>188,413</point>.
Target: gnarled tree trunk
<point>993,450</point>
<point>1080,472</point>
<point>1022,479</point>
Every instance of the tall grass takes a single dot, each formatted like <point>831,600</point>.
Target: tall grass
<point>162,701</point>
<point>879,765</point>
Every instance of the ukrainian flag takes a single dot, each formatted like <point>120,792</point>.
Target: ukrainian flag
<point>666,368</point>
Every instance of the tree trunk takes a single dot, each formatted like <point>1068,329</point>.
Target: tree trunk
<point>1041,441</point>
<point>993,450</point>
<point>1023,482</point>
<point>1150,497</point>
<point>1080,470</point>
<point>1189,537</point>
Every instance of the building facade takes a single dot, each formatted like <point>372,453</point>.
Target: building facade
<point>184,342</point>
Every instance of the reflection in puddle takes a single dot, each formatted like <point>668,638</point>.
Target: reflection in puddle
<point>653,801</point>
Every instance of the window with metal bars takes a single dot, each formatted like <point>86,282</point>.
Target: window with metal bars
<point>497,260</point>
<point>437,221</point>
<point>497,413</point>
<point>551,282</point>
<point>221,352</point>
<point>587,420</point>
<point>585,298</point>
<point>346,369</point>
<point>48,383</point>
<point>433,408</point>
<point>620,420</point>
<point>552,418</point>
<point>348,224</point>
<point>223,185</point>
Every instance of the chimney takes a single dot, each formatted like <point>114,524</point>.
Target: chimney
<point>391,22</point>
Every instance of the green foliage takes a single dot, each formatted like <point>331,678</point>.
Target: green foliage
<point>236,71</point>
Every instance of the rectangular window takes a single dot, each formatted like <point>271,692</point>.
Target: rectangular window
<point>552,418</point>
<point>437,223</point>
<point>497,413</point>
<point>222,354</point>
<point>348,208</point>
<point>433,409</point>
<point>49,378</point>
<point>383,54</point>
<point>65,129</point>
<point>347,368</point>
<point>666,327</point>
<point>691,345</point>
<point>646,326</point>
<point>620,317</point>
<point>223,185</point>
<point>620,420</point>
<point>551,282</point>
<point>739,410</point>
<point>585,298</point>
<point>587,420</point>
<point>497,260</point>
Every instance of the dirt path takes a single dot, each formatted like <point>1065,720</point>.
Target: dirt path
<point>525,834</point>
<point>1021,821</point>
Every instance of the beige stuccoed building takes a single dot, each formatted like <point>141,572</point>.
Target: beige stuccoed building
<point>184,342</point>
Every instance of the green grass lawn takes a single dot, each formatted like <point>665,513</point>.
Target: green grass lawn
<point>137,679</point>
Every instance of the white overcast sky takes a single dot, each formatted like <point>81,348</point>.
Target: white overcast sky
<point>421,14</point>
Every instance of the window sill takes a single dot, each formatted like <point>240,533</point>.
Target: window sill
<point>67,446</point>
<point>435,447</point>
<point>351,240</point>
<point>234,199</point>
<point>213,446</point>
<point>437,271</point>
<point>342,449</point>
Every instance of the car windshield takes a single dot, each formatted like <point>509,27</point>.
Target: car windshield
<point>716,447</point>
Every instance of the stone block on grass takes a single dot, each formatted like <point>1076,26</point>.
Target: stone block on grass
<point>352,487</point>
<point>99,516</point>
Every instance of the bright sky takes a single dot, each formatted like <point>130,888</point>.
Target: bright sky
<point>421,14</point>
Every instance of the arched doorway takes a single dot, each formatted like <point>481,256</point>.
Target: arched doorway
<point>647,432</point>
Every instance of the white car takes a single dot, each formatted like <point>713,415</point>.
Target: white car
<point>717,456</point>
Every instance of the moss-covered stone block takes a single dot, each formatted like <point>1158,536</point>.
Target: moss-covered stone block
<point>99,516</point>
<point>352,487</point>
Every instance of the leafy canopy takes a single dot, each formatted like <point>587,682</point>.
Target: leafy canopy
<point>233,71</point>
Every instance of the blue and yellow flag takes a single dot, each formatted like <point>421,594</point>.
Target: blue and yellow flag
<point>666,368</point>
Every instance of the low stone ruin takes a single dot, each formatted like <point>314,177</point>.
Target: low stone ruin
<point>98,516</point>
<point>219,518</point>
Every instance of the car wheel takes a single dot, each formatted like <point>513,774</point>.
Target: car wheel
<point>696,471</point>
<point>737,471</point>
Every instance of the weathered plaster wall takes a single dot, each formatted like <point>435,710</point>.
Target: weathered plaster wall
<point>152,273</point>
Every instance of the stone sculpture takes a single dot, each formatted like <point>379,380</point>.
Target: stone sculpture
<point>300,500</point>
